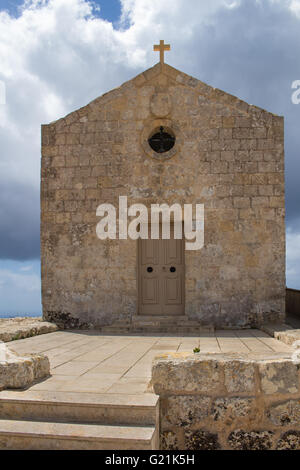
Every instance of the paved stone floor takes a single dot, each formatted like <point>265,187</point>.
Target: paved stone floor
<point>88,362</point>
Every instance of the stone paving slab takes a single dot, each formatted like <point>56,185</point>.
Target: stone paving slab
<point>12,329</point>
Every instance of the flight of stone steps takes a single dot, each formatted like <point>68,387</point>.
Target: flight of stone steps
<point>156,324</point>
<point>84,421</point>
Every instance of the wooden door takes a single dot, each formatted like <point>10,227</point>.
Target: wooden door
<point>161,277</point>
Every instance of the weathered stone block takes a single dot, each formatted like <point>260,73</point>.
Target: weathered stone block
<point>172,375</point>
<point>201,440</point>
<point>279,377</point>
<point>250,440</point>
<point>289,441</point>
<point>227,410</point>
<point>169,441</point>
<point>186,410</point>
<point>239,377</point>
<point>284,414</point>
<point>17,372</point>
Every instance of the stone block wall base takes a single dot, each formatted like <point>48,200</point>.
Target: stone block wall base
<point>228,401</point>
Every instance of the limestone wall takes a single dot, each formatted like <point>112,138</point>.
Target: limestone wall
<point>229,156</point>
<point>228,401</point>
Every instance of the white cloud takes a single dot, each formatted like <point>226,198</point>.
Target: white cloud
<point>20,287</point>
<point>295,7</point>
<point>27,282</point>
<point>19,292</point>
<point>25,268</point>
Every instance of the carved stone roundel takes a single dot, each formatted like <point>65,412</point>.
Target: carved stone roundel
<point>160,105</point>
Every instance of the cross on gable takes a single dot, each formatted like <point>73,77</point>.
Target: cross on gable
<point>162,47</point>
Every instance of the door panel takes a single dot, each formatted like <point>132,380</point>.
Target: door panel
<point>173,251</point>
<point>150,290</point>
<point>150,252</point>
<point>173,291</point>
<point>161,277</point>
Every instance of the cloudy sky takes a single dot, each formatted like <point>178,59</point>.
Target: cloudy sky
<point>57,55</point>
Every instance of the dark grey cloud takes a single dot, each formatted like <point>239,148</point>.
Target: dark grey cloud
<point>19,221</point>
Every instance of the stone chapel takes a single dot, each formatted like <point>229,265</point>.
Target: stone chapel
<point>164,137</point>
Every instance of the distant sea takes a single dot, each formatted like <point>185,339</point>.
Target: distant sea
<point>14,315</point>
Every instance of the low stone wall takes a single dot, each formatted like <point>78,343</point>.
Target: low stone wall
<point>282,332</point>
<point>232,401</point>
<point>12,329</point>
<point>17,372</point>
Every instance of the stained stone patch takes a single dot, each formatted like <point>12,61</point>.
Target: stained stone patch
<point>285,413</point>
<point>250,440</point>
<point>186,410</point>
<point>289,441</point>
<point>239,377</point>
<point>279,377</point>
<point>228,409</point>
<point>201,440</point>
<point>169,441</point>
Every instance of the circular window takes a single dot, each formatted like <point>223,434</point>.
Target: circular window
<point>158,139</point>
<point>162,141</point>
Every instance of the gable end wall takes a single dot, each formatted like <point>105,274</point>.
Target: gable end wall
<point>230,158</point>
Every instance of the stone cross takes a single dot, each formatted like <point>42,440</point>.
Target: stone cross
<point>162,47</point>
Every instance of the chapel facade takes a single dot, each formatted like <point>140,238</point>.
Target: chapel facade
<point>164,137</point>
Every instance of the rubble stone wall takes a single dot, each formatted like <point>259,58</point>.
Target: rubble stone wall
<point>234,402</point>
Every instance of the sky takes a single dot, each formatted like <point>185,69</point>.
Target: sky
<point>58,55</point>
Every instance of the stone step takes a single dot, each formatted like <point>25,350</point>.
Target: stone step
<point>166,327</point>
<point>159,322</point>
<point>165,321</point>
<point>158,329</point>
<point>169,329</point>
<point>164,324</point>
<point>161,318</point>
<point>35,435</point>
<point>58,406</point>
